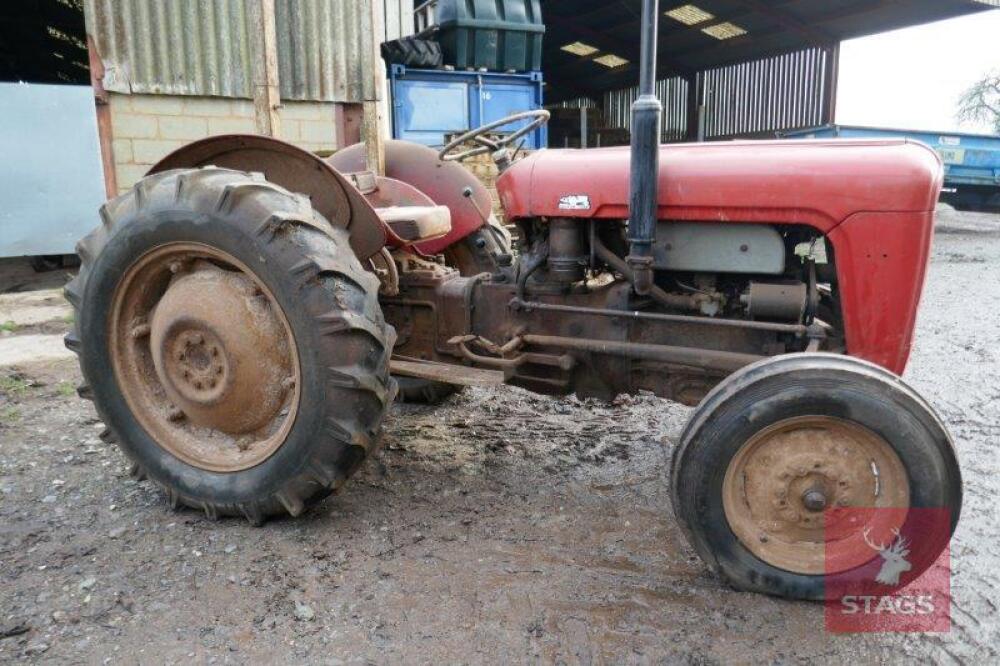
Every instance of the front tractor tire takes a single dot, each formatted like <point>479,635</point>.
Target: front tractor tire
<point>779,468</point>
<point>231,342</point>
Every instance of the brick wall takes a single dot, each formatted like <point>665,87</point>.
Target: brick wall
<point>148,127</point>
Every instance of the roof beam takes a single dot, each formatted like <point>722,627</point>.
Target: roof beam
<point>817,35</point>
<point>600,40</point>
<point>606,43</point>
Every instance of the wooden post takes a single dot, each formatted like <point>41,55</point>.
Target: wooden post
<point>693,107</point>
<point>831,75</point>
<point>371,129</point>
<point>264,50</point>
<point>103,109</point>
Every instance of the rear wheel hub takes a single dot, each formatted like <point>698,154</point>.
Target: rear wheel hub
<point>205,357</point>
<point>218,350</point>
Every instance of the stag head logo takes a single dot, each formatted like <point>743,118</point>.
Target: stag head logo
<point>894,558</point>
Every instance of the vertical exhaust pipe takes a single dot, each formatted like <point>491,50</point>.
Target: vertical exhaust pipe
<point>645,164</point>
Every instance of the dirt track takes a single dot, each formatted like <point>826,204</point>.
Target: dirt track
<point>503,527</point>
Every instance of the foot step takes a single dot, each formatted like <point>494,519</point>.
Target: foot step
<point>446,372</point>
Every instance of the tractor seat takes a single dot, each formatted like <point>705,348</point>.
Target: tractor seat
<point>414,224</point>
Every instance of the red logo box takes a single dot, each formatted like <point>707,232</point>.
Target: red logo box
<point>887,570</point>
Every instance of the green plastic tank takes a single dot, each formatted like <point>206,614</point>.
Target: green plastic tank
<point>499,35</point>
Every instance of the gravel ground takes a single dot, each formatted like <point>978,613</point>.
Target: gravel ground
<point>502,527</point>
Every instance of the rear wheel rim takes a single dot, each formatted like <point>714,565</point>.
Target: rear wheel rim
<point>204,357</point>
<point>795,493</point>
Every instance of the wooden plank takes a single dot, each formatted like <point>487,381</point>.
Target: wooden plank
<point>371,130</point>
<point>831,76</point>
<point>105,133</point>
<point>406,20</point>
<point>392,19</point>
<point>443,372</point>
<point>264,50</point>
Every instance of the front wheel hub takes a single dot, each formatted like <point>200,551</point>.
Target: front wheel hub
<point>782,484</point>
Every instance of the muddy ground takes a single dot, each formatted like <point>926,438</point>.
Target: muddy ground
<point>502,527</point>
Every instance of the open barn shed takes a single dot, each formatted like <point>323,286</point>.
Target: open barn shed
<point>146,76</point>
<point>729,68</point>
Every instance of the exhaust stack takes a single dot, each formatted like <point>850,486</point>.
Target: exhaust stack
<point>645,164</point>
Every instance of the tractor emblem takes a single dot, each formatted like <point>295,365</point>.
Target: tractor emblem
<point>894,558</point>
<point>574,202</point>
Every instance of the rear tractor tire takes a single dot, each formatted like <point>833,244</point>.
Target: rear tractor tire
<point>231,342</point>
<point>780,465</point>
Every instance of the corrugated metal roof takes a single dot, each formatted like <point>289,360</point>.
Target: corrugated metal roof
<point>201,47</point>
<point>699,35</point>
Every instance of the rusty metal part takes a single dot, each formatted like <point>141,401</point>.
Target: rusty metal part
<point>500,360</point>
<point>295,169</point>
<point>680,301</point>
<point>448,373</point>
<point>779,483</point>
<point>384,267</point>
<point>567,257</point>
<point>767,300</point>
<point>796,329</point>
<point>204,357</point>
<point>699,358</point>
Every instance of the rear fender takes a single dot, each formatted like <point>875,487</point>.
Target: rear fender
<point>295,169</point>
<point>443,182</point>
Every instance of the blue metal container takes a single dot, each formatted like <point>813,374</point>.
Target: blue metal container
<point>429,104</point>
<point>971,161</point>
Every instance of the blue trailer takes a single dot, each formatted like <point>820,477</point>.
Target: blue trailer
<point>971,161</point>
<point>429,104</point>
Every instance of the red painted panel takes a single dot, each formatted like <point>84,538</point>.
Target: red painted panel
<point>443,182</point>
<point>873,198</point>
<point>881,265</point>
<point>813,182</point>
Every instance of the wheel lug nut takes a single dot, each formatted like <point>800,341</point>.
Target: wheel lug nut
<point>175,414</point>
<point>139,331</point>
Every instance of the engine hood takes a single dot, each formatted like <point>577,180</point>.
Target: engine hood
<point>818,182</point>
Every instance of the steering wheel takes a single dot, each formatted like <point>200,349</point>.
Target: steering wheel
<point>448,154</point>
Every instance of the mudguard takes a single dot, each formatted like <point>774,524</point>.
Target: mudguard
<point>295,169</point>
<point>443,182</point>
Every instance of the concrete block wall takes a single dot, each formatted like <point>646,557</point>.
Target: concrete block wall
<point>146,128</point>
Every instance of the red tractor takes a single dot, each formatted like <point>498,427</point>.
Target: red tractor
<point>247,312</point>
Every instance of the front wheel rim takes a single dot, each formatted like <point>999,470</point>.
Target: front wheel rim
<point>799,494</point>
